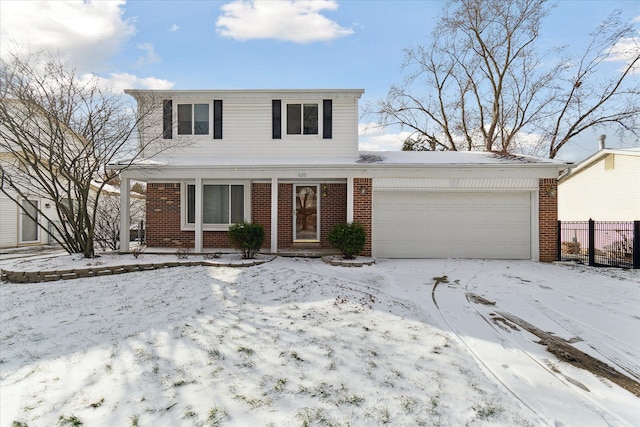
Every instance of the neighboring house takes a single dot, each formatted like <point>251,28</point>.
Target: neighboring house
<point>289,160</point>
<point>603,187</point>
<point>18,229</point>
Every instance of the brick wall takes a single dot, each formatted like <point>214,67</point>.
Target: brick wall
<point>163,220</point>
<point>548,219</point>
<point>362,206</point>
<point>163,215</point>
<point>333,209</point>
<point>261,209</point>
<point>285,215</point>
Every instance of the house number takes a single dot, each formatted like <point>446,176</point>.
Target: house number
<point>302,175</point>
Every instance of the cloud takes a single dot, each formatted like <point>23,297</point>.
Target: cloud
<point>150,56</point>
<point>625,51</point>
<point>118,82</point>
<point>291,20</point>
<point>86,33</point>
<point>374,137</point>
<point>174,28</point>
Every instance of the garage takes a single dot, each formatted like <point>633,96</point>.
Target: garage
<point>452,224</point>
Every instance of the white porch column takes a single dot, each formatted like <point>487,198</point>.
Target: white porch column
<point>274,215</point>
<point>350,199</point>
<point>125,224</point>
<point>198,219</point>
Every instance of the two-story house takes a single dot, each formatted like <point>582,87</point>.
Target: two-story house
<point>289,160</point>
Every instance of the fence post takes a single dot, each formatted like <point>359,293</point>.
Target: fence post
<point>592,242</point>
<point>559,243</point>
<point>636,244</point>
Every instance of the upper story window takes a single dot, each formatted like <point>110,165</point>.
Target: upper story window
<point>193,119</point>
<point>302,119</point>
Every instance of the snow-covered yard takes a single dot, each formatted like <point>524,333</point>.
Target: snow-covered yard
<point>299,342</point>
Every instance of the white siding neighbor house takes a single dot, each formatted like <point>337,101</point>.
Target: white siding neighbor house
<point>603,187</point>
<point>18,229</point>
<point>289,160</point>
<point>20,222</point>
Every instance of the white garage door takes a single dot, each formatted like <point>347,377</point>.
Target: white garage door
<point>418,224</point>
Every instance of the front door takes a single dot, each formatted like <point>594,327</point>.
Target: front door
<point>307,213</point>
<point>29,221</point>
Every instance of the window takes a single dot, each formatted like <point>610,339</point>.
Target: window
<point>193,119</point>
<point>221,203</point>
<point>302,119</point>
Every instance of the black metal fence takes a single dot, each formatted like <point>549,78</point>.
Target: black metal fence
<point>599,243</point>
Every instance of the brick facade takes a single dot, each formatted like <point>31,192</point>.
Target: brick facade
<point>285,215</point>
<point>548,219</point>
<point>163,220</point>
<point>362,207</point>
<point>333,209</point>
<point>261,209</point>
<point>163,215</point>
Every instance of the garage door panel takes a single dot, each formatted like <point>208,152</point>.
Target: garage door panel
<point>418,224</point>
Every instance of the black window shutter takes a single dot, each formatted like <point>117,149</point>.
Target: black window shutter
<point>276,118</point>
<point>217,119</point>
<point>327,114</point>
<point>167,123</point>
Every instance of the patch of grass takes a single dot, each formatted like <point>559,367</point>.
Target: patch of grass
<point>71,420</point>
<point>281,385</point>
<point>215,354</point>
<point>292,355</point>
<point>408,403</point>
<point>19,424</point>
<point>135,419</point>
<point>97,404</point>
<point>487,410</point>
<point>189,413</point>
<point>381,414</point>
<point>216,416</point>
<point>246,350</point>
<point>310,416</point>
<point>347,397</point>
<point>253,402</point>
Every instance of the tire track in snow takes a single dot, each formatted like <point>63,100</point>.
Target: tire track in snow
<point>589,336</point>
<point>546,394</point>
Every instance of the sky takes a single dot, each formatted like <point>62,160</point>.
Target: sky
<point>234,44</point>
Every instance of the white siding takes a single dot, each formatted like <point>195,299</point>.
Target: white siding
<point>8,223</point>
<point>247,128</point>
<point>600,194</point>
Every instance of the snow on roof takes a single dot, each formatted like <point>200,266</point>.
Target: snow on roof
<point>383,158</point>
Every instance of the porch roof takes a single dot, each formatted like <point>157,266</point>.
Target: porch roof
<point>366,159</point>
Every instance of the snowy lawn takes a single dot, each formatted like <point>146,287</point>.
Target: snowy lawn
<point>298,342</point>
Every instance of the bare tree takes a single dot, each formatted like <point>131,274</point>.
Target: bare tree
<point>481,84</point>
<point>58,132</point>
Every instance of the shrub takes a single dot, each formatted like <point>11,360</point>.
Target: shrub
<point>248,237</point>
<point>349,239</point>
<point>572,248</point>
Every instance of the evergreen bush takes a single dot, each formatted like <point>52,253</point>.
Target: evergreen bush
<point>349,239</point>
<point>248,237</point>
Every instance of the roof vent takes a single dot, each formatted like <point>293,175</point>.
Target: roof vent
<point>601,138</point>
